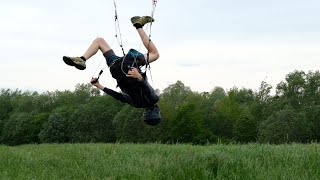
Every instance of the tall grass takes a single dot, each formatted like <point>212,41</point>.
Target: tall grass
<point>158,161</point>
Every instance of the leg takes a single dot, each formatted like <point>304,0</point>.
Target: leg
<point>148,44</point>
<point>98,43</point>
<point>138,22</point>
<point>79,62</point>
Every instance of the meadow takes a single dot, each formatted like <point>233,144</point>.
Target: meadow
<point>160,161</point>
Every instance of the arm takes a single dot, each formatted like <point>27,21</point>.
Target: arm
<point>112,93</point>
<point>145,85</point>
<point>133,72</point>
<point>146,88</point>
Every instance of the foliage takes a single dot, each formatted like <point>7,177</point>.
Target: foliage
<point>58,126</point>
<point>285,126</point>
<point>129,127</point>
<point>92,122</point>
<point>21,128</point>
<point>188,126</point>
<point>234,115</point>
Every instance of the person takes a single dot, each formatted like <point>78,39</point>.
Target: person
<point>135,89</point>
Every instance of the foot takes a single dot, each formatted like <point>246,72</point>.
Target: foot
<point>141,20</point>
<point>75,61</point>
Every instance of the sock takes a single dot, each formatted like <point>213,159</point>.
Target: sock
<point>83,58</point>
<point>137,25</point>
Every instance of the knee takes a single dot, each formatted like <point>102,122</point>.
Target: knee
<point>155,55</point>
<point>99,40</point>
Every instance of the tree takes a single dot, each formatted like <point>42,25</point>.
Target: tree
<point>24,102</point>
<point>5,107</point>
<point>171,99</point>
<point>245,127</point>
<point>93,121</point>
<point>293,89</point>
<point>81,95</point>
<point>57,128</point>
<point>188,126</point>
<point>313,117</point>
<point>129,127</point>
<point>20,129</point>
<point>312,89</point>
<point>232,118</point>
<point>285,126</point>
<point>176,94</point>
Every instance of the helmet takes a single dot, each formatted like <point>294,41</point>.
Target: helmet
<point>152,116</point>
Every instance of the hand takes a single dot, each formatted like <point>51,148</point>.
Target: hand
<point>133,72</point>
<point>94,82</point>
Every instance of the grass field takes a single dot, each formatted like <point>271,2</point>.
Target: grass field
<point>158,161</point>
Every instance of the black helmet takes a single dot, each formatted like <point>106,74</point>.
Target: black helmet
<point>152,116</point>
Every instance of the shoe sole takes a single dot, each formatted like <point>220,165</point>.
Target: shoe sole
<point>69,62</point>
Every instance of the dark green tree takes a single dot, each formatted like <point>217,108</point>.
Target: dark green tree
<point>129,127</point>
<point>293,89</point>
<point>57,129</point>
<point>93,121</point>
<point>285,126</point>
<point>21,128</point>
<point>5,107</point>
<point>188,126</point>
<point>171,99</point>
<point>245,127</point>
<point>313,117</point>
<point>232,119</point>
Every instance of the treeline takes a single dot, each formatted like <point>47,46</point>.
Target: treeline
<point>292,114</point>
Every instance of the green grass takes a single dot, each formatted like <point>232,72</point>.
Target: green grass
<point>158,161</point>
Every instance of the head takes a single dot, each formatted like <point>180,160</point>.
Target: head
<point>152,116</point>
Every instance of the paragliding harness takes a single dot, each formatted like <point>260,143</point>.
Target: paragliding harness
<point>133,59</point>
<point>120,68</point>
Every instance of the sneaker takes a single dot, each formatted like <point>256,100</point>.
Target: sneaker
<point>75,61</point>
<point>141,20</point>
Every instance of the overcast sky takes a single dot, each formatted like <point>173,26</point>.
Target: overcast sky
<point>203,43</point>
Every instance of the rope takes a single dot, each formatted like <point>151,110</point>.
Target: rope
<point>117,27</point>
<point>118,37</point>
<point>154,5</point>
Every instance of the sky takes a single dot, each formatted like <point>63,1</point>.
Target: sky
<point>203,43</point>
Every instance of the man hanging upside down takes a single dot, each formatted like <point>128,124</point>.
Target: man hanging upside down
<point>136,91</point>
